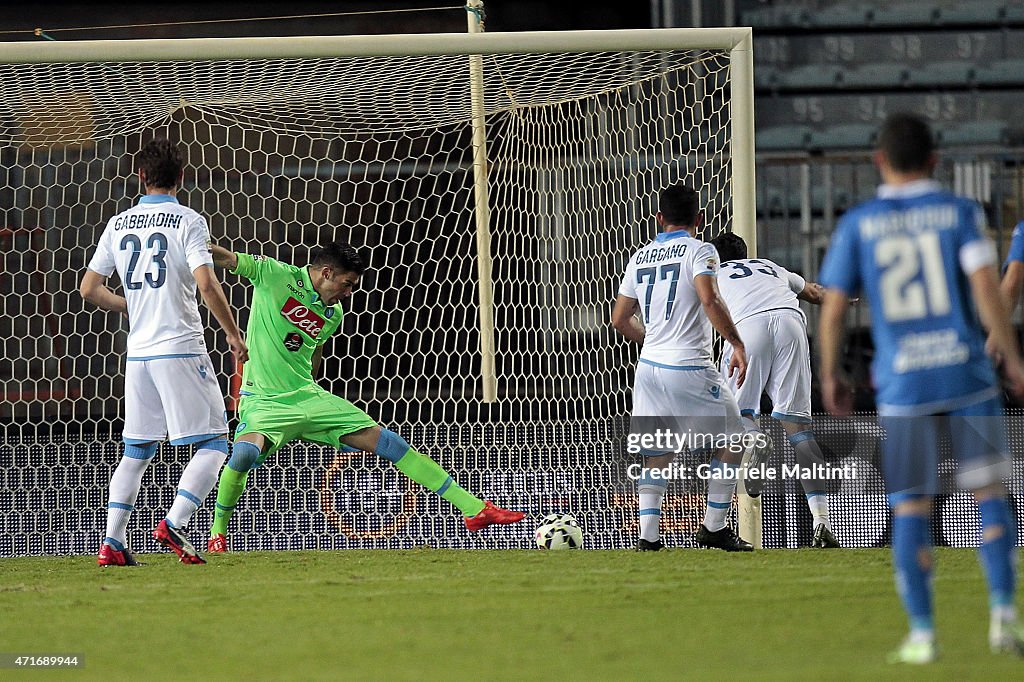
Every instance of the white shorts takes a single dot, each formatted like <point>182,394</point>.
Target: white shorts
<point>778,362</point>
<point>694,401</point>
<point>177,398</point>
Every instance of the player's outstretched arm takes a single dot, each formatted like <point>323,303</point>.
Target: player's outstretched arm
<point>835,389</point>
<point>624,319</point>
<point>1011,285</point>
<point>213,295</point>
<point>223,258</point>
<point>812,293</point>
<point>721,320</point>
<point>94,289</point>
<point>1002,344</point>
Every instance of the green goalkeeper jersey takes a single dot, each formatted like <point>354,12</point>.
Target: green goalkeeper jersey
<point>288,321</point>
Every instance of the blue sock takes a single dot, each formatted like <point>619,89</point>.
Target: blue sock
<point>998,545</point>
<point>910,541</point>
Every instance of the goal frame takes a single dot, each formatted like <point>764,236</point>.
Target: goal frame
<point>736,41</point>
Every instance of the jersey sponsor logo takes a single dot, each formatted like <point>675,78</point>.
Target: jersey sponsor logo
<point>259,257</point>
<point>293,341</point>
<point>302,317</point>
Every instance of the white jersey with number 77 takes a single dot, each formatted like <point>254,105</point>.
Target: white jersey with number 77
<point>660,276</point>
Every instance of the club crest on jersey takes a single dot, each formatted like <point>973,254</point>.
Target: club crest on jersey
<point>711,263</point>
<point>302,317</point>
<point>293,341</point>
<point>329,313</point>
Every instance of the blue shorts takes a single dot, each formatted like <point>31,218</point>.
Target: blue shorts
<point>913,449</point>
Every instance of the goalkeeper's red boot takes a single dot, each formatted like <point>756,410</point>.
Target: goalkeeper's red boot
<point>112,557</point>
<point>217,544</point>
<point>491,515</point>
<point>174,540</point>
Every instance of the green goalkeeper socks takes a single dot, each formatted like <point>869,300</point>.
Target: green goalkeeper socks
<point>229,491</point>
<point>430,475</point>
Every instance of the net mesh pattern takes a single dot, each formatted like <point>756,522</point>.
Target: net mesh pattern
<point>285,154</point>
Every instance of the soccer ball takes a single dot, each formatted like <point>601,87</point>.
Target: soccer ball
<point>559,531</point>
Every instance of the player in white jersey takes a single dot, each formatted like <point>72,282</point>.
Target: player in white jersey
<point>762,297</point>
<point>161,252</point>
<point>671,281</point>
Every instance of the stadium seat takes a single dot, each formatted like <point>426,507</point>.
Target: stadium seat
<point>1014,12</point>
<point>810,77</point>
<point>1001,72</point>
<point>951,72</point>
<point>973,133</point>
<point>845,136</point>
<point>979,12</point>
<point>783,16</point>
<point>905,14</point>
<point>781,138</point>
<point>880,76</point>
<point>765,77</point>
<point>842,16</point>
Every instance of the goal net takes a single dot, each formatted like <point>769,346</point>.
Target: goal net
<point>359,142</point>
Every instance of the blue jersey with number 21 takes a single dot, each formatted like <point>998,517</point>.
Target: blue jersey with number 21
<point>910,251</point>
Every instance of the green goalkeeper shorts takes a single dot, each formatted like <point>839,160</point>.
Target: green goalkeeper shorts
<point>310,414</point>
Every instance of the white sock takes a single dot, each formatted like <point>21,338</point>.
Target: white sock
<point>124,489</point>
<point>921,635</point>
<point>720,493</point>
<point>196,483</point>
<point>818,504</point>
<point>1006,613</point>
<point>651,493</point>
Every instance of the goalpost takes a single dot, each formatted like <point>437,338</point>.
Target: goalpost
<point>498,183</point>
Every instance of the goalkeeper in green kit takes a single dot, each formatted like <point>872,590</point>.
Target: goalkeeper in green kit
<point>294,311</point>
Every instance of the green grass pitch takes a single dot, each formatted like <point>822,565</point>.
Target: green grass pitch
<point>500,615</point>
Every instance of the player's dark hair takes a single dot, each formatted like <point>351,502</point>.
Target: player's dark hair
<point>678,205</point>
<point>730,246</point>
<point>340,256</point>
<point>162,162</point>
<point>907,142</point>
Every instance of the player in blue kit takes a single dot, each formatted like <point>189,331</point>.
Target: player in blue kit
<point>920,255</point>
<point>1013,268</point>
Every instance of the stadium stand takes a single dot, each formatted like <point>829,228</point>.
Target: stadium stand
<point>1001,72</point>
<point>942,73</point>
<point>973,133</point>
<point>784,137</point>
<point>885,75</point>
<point>827,72</point>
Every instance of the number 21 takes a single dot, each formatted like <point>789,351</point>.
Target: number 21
<point>904,295</point>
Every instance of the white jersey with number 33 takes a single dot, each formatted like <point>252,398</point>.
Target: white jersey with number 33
<point>660,276</point>
<point>753,285</point>
<point>155,246</point>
